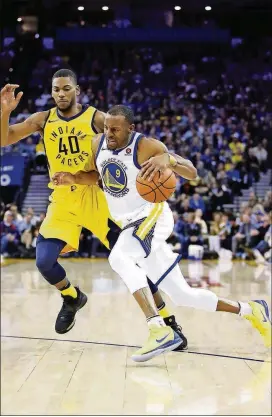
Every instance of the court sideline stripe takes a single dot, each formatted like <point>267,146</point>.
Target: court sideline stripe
<point>131,346</point>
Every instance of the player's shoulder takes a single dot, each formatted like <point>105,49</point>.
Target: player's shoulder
<point>146,141</point>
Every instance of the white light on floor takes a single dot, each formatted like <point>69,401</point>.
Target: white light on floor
<point>37,36</point>
<point>19,19</point>
<point>208,8</point>
<point>105,8</point>
<point>11,70</point>
<point>80,8</point>
<point>177,8</point>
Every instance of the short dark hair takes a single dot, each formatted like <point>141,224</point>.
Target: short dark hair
<point>65,73</point>
<point>120,110</point>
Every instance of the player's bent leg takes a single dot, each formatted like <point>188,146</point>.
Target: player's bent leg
<point>169,278</point>
<point>161,338</point>
<point>47,253</point>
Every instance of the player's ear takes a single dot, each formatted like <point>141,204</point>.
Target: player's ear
<point>77,90</point>
<point>132,127</point>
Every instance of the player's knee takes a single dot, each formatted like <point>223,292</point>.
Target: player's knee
<point>46,256</point>
<point>116,260</point>
<point>44,262</point>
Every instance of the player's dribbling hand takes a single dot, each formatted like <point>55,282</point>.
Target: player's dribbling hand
<point>8,100</point>
<point>63,178</point>
<point>153,165</point>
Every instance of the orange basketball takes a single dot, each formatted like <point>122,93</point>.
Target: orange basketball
<point>159,189</point>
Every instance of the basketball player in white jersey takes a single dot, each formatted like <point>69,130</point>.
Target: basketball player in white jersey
<point>121,153</point>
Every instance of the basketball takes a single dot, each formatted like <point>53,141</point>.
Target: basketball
<point>159,189</point>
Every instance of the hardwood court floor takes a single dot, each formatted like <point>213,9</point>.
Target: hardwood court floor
<point>226,370</point>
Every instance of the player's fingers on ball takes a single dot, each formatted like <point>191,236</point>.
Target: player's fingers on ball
<point>152,175</point>
<point>144,169</point>
<point>148,173</point>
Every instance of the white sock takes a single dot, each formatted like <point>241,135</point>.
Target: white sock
<point>245,309</point>
<point>156,320</point>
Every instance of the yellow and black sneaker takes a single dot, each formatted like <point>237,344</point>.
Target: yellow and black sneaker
<point>171,321</point>
<point>66,317</point>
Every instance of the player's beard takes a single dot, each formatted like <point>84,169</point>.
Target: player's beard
<point>68,107</point>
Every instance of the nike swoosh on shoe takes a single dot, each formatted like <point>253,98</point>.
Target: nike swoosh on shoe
<point>161,340</point>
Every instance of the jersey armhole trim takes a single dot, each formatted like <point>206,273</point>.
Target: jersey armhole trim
<point>46,119</point>
<point>99,147</point>
<point>92,123</point>
<point>135,159</point>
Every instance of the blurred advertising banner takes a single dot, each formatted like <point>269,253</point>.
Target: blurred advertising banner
<point>12,169</point>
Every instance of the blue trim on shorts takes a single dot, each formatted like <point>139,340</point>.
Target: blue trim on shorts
<point>135,159</point>
<point>169,270</point>
<point>147,252</point>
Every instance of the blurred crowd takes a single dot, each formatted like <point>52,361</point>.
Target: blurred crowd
<point>19,235</point>
<point>247,235</point>
<point>214,110</point>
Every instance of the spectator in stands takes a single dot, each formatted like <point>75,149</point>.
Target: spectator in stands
<point>260,241</point>
<point>216,196</point>
<point>228,229</point>
<point>234,179</point>
<point>252,164</point>
<point>9,235</point>
<point>192,233</point>
<point>197,202</point>
<point>244,234</point>
<point>34,219</point>
<point>261,154</point>
<point>216,224</point>
<point>267,204</point>
<point>40,158</point>
<point>17,217</point>
<point>252,199</point>
<point>201,222</point>
<point>27,147</point>
<point>25,224</point>
<point>235,144</point>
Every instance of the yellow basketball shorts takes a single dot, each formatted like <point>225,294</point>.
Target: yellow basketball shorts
<point>69,211</point>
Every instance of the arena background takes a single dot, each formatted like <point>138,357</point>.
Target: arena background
<point>198,75</point>
<point>199,80</point>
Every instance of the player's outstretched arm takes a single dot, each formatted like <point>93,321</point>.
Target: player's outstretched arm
<point>153,156</point>
<point>14,133</point>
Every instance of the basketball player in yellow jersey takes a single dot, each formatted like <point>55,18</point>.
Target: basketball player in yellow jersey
<point>68,130</point>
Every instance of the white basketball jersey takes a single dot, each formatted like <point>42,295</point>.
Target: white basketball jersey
<point>118,170</point>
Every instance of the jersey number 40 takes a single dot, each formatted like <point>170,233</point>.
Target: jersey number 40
<point>73,145</point>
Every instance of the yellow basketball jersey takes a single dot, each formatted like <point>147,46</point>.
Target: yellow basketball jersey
<point>68,142</point>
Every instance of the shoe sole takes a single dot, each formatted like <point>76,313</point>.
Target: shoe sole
<point>84,301</point>
<point>153,354</point>
<point>181,348</point>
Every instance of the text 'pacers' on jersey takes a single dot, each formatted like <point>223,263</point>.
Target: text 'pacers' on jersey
<point>68,141</point>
